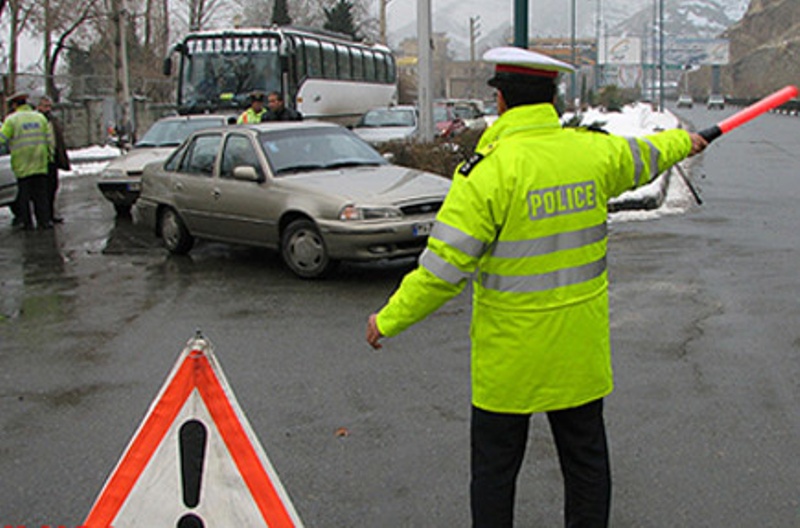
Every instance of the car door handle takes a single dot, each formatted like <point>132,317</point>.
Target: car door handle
<point>216,194</point>
<point>178,186</point>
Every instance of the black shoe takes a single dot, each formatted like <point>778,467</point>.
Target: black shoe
<point>48,225</point>
<point>58,220</point>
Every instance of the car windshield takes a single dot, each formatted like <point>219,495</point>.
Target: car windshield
<point>172,132</point>
<point>440,113</point>
<point>298,150</point>
<point>386,117</point>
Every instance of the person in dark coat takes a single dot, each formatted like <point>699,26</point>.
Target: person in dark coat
<point>60,159</point>
<point>278,111</point>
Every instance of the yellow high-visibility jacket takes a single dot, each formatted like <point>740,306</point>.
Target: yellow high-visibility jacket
<point>525,219</point>
<point>30,140</point>
<point>251,116</point>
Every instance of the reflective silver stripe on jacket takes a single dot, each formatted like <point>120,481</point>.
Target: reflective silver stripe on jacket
<point>452,236</point>
<point>441,268</point>
<point>550,244</point>
<point>638,164</point>
<point>544,281</point>
<point>21,142</point>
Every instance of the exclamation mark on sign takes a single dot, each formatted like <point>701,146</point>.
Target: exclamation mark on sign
<point>193,450</point>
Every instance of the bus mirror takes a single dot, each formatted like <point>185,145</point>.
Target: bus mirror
<point>167,67</point>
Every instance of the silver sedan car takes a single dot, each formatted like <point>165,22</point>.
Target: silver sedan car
<point>120,180</point>
<point>8,182</point>
<point>314,191</point>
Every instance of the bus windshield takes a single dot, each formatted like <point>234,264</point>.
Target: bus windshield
<point>221,71</point>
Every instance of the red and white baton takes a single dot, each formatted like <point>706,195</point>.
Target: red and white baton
<point>752,111</point>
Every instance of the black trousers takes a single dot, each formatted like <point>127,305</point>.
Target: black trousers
<point>33,189</point>
<point>52,187</point>
<point>498,447</point>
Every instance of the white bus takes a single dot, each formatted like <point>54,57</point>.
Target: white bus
<point>322,75</point>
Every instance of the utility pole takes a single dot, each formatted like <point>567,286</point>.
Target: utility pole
<point>598,25</point>
<point>661,55</point>
<point>122,87</point>
<point>424,71</point>
<point>382,16</point>
<point>573,93</point>
<point>474,33</point>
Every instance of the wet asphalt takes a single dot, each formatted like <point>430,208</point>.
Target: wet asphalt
<point>703,424</point>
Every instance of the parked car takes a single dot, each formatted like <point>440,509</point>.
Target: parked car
<point>314,191</point>
<point>120,181</point>
<point>393,123</point>
<point>448,124</point>
<point>685,101</point>
<point>715,101</point>
<point>469,111</point>
<point>8,182</point>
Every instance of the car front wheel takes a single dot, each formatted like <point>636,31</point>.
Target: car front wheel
<point>304,251</point>
<point>176,237</point>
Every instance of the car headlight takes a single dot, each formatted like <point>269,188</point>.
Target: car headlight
<point>354,212</point>
<point>113,173</point>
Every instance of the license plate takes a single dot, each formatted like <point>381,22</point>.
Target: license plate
<point>135,186</point>
<point>423,229</point>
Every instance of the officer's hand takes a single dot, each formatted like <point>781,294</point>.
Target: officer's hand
<point>373,334</point>
<point>699,143</point>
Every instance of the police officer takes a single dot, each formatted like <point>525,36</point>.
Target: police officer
<point>278,111</point>
<point>525,218</point>
<point>256,110</point>
<point>30,140</point>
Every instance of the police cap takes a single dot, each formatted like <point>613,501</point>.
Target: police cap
<point>522,65</point>
<point>18,97</point>
<point>256,95</point>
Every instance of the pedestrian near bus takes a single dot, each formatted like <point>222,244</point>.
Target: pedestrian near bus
<point>278,111</point>
<point>256,110</point>
<point>30,141</point>
<point>526,221</point>
<point>60,160</point>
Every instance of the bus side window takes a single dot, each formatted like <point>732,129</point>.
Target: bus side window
<point>369,66</point>
<point>380,67</point>
<point>390,69</point>
<point>328,61</point>
<point>343,62</point>
<point>313,58</point>
<point>358,64</point>
<point>299,59</point>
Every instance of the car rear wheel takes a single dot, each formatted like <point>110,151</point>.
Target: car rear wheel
<point>174,233</point>
<point>304,252</point>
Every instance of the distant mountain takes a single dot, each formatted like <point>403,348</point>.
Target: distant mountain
<point>765,45</point>
<point>552,18</point>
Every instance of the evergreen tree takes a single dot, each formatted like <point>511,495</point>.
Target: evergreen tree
<point>339,18</point>
<point>280,13</point>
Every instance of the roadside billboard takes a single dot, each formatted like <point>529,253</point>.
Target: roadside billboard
<point>620,50</point>
<point>702,52</point>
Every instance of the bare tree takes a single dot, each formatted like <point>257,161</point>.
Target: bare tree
<point>198,14</point>
<point>19,14</point>
<point>71,16</point>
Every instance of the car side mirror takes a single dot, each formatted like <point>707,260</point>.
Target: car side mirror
<point>247,173</point>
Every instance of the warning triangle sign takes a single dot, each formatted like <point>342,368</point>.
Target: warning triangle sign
<point>194,462</point>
